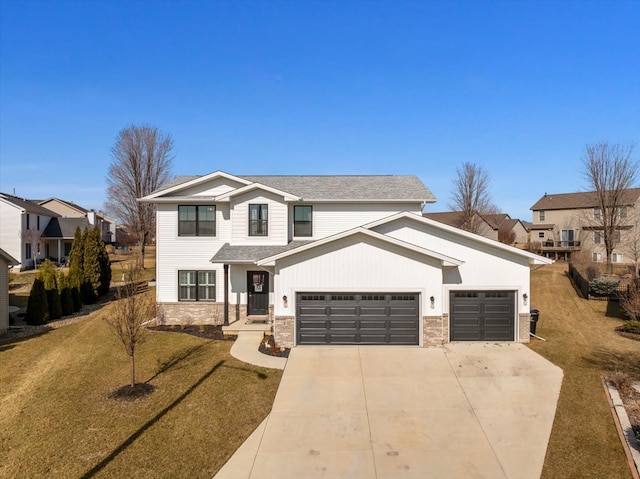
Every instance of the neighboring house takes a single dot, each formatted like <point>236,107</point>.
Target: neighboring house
<point>568,222</point>
<point>6,261</point>
<point>20,219</point>
<point>333,260</point>
<point>66,209</point>
<point>498,227</point>
<point>58,237</point>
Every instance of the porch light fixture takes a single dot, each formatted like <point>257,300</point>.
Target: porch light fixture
<point>433,302</point>
<point>524,298</point>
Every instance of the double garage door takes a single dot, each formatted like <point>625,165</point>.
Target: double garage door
<point>394,318</point>
<point>357,318</point>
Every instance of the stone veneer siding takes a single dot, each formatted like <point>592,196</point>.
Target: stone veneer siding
<point>202,312</point>
<point>432,331</point>
<point>283,330</point>
<point>524,327</point>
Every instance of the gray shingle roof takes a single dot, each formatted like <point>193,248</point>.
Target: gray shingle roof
<point>251,254</point>
<point>340,187</point>
<point>351,187</point>
<point>28,206</point>
<point>583,199</point>
<point>64,227</point>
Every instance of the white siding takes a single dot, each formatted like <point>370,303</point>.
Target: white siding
<point>277,216</point>
<point>174,253</point>
<point>485,266</point>
<point>332,218</point>
<point>214,187</point>
<point>354,264</point>
<point>10,230</point>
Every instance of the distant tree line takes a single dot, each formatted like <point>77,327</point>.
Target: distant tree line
<point>55,294</point>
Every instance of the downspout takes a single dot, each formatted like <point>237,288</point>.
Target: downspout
<point>226,295</point>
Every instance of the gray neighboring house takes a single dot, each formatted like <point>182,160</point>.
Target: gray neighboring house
<point>6,262</point>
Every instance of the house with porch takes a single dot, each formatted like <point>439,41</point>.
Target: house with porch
<point>568,223</point>
<point>332,260</point>
<point>67,209</point>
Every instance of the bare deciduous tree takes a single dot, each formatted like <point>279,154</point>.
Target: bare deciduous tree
<point>506,235</point>
<point>129,313</point>
<point>610,170</point>
<point>141,163</point>
<point>471,195</point>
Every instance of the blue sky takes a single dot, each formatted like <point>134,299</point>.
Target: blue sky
<point>297,87</point>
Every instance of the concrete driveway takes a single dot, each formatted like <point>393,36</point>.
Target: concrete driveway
<point>466,410</point>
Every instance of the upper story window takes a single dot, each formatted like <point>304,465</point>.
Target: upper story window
<point>542,215</point>
<point>38,222</point>
<point>597,213</point>
<point>623,212</point>
<point>197,220</point>
<point>302,221</point>
<point>258,220</point>
<point>541,234</point>
<point>597,237</point>
<point>28,225</point>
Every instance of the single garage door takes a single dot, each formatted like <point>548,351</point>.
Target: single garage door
<point>357,318</point>
<point>482,315</point>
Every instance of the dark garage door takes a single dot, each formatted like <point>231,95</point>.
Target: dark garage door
<point>357,318</point>
<point>482,315</point>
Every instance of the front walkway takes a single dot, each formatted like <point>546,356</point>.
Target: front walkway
<point>464,410</point>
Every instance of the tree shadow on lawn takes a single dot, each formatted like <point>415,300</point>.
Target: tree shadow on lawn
<point>177,360</point>
<point>613,361</point>
<point>133,437</point>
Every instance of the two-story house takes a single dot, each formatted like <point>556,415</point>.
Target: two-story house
<point>566,223</point>
<point>332,260</point>
<point>96,219</point>
<point>22,223</point>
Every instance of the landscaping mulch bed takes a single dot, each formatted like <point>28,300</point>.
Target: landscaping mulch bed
<point>206,331</point>
<point>269,347</point>
<point>132,393</point>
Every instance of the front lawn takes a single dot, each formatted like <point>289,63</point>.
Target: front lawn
<point>56,419</point>
<point>582,340</point>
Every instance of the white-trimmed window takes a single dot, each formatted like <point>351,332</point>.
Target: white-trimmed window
<point>616,257</point>
<point>597,237</point>
<point>541,234</point>
<point>597,214</point>
<point>542,215</point>
<point>597,257</point>
<point>623,212</point>
<point>196,285</point>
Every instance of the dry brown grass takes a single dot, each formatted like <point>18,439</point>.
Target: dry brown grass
<point>56,419</point>
<point>583,342</point>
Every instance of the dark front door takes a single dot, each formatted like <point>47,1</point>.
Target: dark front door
<point>258,292</point>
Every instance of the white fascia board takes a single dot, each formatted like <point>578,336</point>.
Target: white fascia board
<point>445,260</point>
<point>183,200</point>
<point>532,257</point>
<point>375,201</point>
<point>194,182</point>
<point>253,186</point>
<point>19,208</point>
